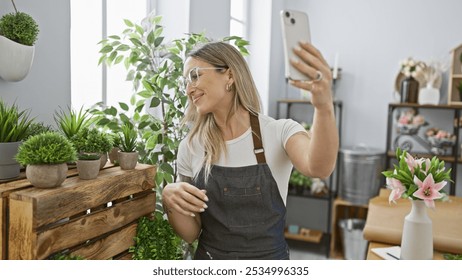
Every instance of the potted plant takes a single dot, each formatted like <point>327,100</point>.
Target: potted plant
<point>45,156</point>
<point>113,154</point>
<point>18,34</point>
<point>90,144</point>
<point>70,122</point>
<point>299,183</point>
<point>128,156</point>
<point>14,124</point>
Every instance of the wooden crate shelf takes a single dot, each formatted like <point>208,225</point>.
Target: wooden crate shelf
<point>94,219</point>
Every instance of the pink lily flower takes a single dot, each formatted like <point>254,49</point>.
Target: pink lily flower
<point>411,162</point>
<point>428,190</point>
<point>397,189</point>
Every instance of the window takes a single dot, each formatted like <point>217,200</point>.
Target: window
<point>91,21</point>
<point>238,18</point>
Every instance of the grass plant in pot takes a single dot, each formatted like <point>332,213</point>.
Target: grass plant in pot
<point>45,156</point>
<point>18,34</point>
<point>14,125</point>
<point>90,144</point>
<point>113,154</point>
<point>128,156</point>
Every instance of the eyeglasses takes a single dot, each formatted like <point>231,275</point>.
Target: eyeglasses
<point>192,79</point>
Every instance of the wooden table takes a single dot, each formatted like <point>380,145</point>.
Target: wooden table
<point>94,219</point>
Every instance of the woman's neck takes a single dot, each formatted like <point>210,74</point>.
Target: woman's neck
<point>235,126</point>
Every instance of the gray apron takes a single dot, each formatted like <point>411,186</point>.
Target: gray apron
<point>245,218</point>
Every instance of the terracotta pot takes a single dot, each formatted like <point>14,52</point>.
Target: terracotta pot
<point>128,160</point>
<point>103,160</point>
<point>113,156</point>
<point>88,169</point>
<point>46,175</point>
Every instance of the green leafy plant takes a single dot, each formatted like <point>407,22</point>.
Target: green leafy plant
<point>154,67</point>
<point>128,139</point>
<point>19,27</point>
<point>46,148</point>
<point>459,87</point>
<point>65,257</point>
<point>36,128</point>
<point>156,240</point>
<point>14,123</point>
<point>91,143</point>
<point>299,181</point>
<point>70,122</point>
<point>452,256</point>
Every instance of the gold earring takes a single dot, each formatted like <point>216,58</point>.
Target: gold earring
<point>228,87</point>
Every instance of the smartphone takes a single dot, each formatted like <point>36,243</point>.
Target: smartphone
<point>295,28</point>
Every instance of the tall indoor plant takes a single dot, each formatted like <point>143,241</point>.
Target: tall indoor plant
<point>14,124</point>
<point>18,34</point>
<point>158,102</point>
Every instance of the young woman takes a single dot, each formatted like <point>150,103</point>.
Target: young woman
<point>235,163</point>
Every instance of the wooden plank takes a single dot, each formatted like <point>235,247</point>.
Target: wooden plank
<point>21,239</point>
<point>110,246</point>
<point>78,195</point>
<point>93,225</point>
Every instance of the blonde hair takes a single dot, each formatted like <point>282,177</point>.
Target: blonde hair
<point>244,91</point>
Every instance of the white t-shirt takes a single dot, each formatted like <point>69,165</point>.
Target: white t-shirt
<point>275,134</point>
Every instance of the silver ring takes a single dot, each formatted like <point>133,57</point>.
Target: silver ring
<point>319,76</point>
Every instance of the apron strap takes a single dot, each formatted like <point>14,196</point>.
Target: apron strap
<point>256,136</point>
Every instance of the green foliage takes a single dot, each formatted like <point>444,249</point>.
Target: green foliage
<point>156,240</point>
<point>70,122</point>
<point>37,128</point>
<point>14,123</point>
<point>19,27</point>
<point>128,139</point>
<point>298,179</point>
<point>459,87</point>
<point>90,143</point>
<point>64,256</point>
<point>46,148</point>
<point>154,67</point>
<point>405,175</point>
<point>452,256</point>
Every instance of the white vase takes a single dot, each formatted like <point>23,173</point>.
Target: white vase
<point>417,238</point>
<point>429,95</point>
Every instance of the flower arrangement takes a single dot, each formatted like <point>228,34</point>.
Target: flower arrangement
<point>417,179</point>
<point>409,122</point>
<point>440,140</point>
<point>410,67</point>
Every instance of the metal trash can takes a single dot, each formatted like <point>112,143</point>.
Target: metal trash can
<point>360,175</point>
<point>354,244</point>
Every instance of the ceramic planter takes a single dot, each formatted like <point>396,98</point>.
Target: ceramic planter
<point>9,167</point>
<point>15,60</point>
<point>103,160</point>
<point>128,160</point>
<point>88,169</point>
<point>113,156</point>
<point>46,175</point>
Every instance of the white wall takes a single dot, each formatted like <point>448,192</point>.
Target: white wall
<point>371,38</point>
<point>48,84</point>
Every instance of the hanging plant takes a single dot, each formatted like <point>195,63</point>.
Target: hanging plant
<point>19,27</point>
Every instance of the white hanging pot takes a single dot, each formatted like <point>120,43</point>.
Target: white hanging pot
<point>15,60</point>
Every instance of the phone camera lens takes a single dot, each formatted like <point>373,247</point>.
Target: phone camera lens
<point>292,20</point>
<point>287,14</point>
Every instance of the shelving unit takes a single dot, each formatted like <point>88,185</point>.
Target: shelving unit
<point>455,77</point>
<point>453,159</point>
<point>315,235</point>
